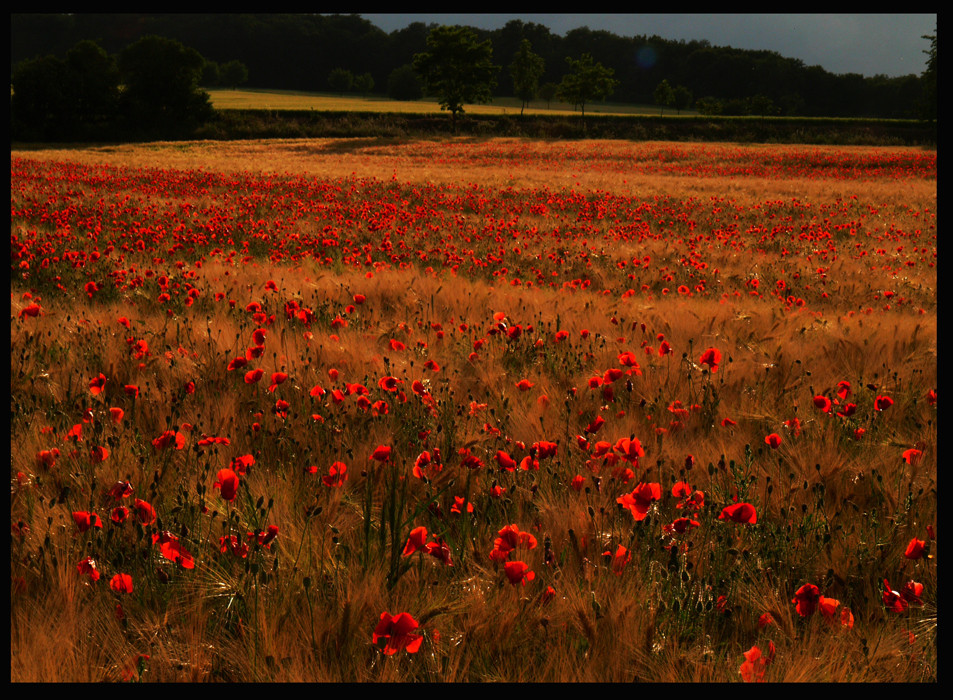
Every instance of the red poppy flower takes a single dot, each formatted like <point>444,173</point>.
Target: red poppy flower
<point>601,449</point>
<point>457,506</point>
<point>33,310</point>
<point>116,414</point>
<point>773,441</point>
<point>398,632</point>
<point>276,379</point>
<point>640,500</point>
<point>85,520</point>
<point>121,489</point>
<point>144,512</point>
<point>827,606</point>
<point>227,481</point>
<point>425,465</point>
<point>506,462</point>
<point>381,453</point>
<point>806,599</point>
<point>417,542</point>
<point>912,456</point>
<point>89,567</point>
<point>755,664</point>
<point>237,363</point>
<point>682,525</point>
<point>231,543</point>
<point>524,385</point>
<point>518,572</point>
<point>388,383</point>
<point>121,583</point>
<point>440,550</point>
<point>169,437</point>
<point>47,458</point>
<point>545,449</point>
<point>744,513</point>
<point>915,549</point>
<point>822,403</point>
<point>621,557</point>
<point>711,357</point>
<point>119,515</point>
<point>912,592</point>
<point>171,549</point>
<point>267,537</point>
<point>336,476</point>
<point>630,449</point>
<point>893,600</point>
<point>847,410</point>
<point>881,403</point>
<point>508,539</point>
<point>254,375</point>
<point>241,465</point>
<point>596,423</point>
<point>97,384</point>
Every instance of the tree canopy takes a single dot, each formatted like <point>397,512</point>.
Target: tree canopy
<point>161,94</point>
<point>457,68</point>
<point>526,70</point>
<point>587,80</point>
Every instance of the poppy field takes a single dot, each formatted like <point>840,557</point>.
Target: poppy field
<point>473,411</point>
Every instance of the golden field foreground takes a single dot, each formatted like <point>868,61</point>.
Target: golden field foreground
<point>473,410</point>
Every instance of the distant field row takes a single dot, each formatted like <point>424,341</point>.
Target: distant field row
<point>286,99</point>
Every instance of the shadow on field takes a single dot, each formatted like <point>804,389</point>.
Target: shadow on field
<point>359,144</point>
<point>354,145</point>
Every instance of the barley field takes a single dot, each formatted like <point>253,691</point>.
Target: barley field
<point>467,410</point>
<point>297,100</point>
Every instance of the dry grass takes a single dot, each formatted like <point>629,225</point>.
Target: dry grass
<point>832,510</point>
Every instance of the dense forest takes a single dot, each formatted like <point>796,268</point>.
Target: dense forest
<point>303,51</point>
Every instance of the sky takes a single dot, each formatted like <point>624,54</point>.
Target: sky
<point>868,44</point>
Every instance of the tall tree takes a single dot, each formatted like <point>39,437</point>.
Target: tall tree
<point>929,79</point>
<point>341,80</point>
<point>664,96</point>
<point>403,83</point>
<point>95,84</point>
<point>526,70</point>
<point>681,98</point>
<point>457,68</point>
<point>40,99</point>
<point>162,96</point>
<point>587,80</point>
<point>75,99</point>
<point>233,73</point>
<point>364,83</point>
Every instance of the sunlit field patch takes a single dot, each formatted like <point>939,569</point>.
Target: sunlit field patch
<point>468,410</point>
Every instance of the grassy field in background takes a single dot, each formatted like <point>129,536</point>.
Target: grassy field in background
<point>287,99</point>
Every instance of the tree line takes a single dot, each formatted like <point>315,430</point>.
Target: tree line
<point>151,87</point>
